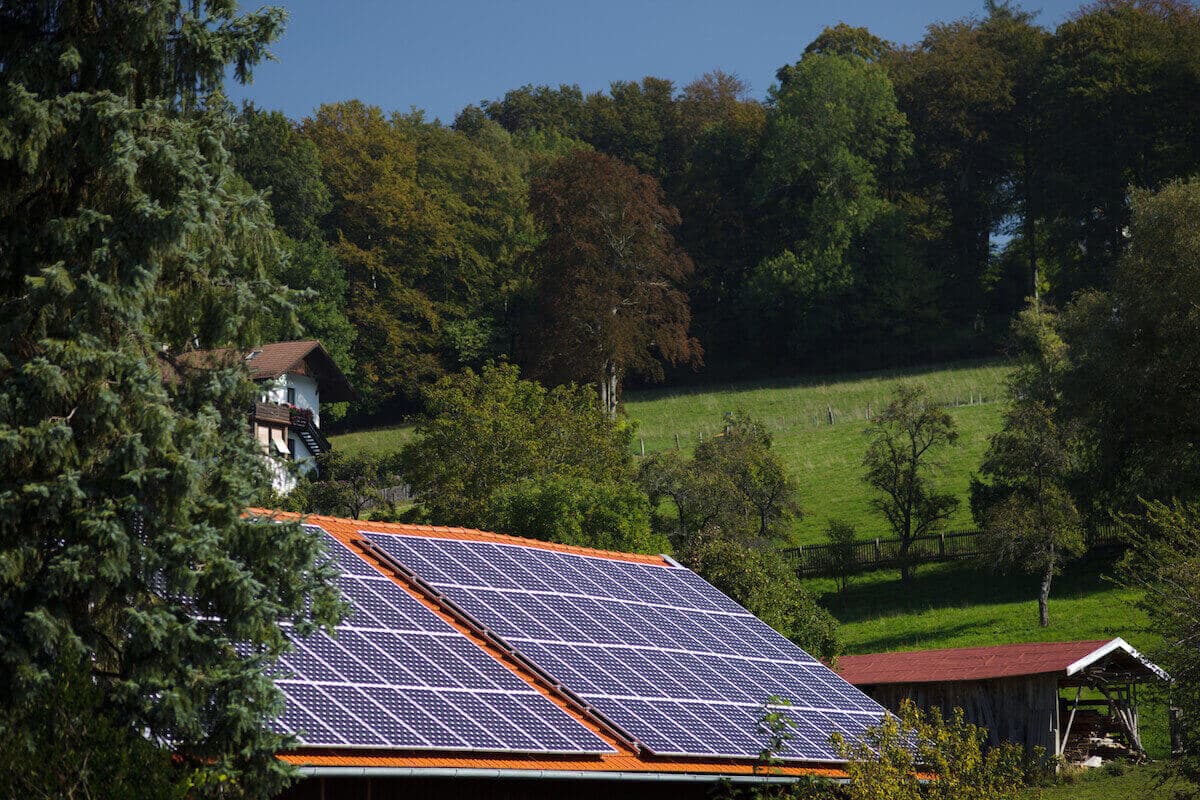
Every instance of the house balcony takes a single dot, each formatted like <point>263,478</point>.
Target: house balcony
<point>297,419</point>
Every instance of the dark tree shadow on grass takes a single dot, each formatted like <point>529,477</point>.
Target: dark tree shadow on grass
<point>958,585</point>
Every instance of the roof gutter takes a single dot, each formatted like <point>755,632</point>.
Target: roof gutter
<point>542,774</point>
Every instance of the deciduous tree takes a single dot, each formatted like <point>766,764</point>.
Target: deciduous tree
<point>609,278</point>
<point>1134,352</point>
<point>902,462</point>
<point>1027,514</point>
<point>485,433</point>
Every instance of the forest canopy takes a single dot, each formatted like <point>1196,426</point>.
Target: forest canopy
<point>884,204</point>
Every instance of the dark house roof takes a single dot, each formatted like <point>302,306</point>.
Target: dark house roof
<point>269,361</point>
<point>1067,659</point>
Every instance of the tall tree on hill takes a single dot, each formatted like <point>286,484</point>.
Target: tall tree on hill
<point>962,88</point>
<point>127,567</point>
<point>721,130</point>
<point>1121,92</point>
<point>901,464</point>
<point>609,277</point>
<point>1134,371</point>
<point>833,141</point>
<point>430,226</point>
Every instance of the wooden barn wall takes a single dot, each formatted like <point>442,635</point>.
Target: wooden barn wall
<point>493,789</point>
<point>1022,710</point>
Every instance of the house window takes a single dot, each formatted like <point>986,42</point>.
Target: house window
<point>292,448</point>
<point>291,395</point>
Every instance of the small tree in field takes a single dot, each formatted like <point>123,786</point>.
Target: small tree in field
<point>1029,519</point>
<point>609,277</point>
<point>901,464</point>
<point>842,537</point>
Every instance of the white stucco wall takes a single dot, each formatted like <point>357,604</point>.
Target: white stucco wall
<point>307,395</point>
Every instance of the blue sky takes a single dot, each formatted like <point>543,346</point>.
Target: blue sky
<point>440,56</point>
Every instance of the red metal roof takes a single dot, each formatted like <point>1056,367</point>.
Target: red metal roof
<point>965,663</point>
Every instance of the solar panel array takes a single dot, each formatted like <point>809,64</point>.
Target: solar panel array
<point>398,676</point>
<point>669,659</point>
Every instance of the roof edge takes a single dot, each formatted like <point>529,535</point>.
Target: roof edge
<point>362,526</point>
<point>553,774</point>
<point>1116,644</point>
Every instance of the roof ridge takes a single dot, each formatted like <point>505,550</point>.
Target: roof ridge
<point>451,531</point>
<point>1006,645</point>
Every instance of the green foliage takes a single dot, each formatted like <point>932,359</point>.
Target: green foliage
<point>430,226</point>
<point>1164,564</point>
<point>90,755</point>
<point>610,514</point>
<point>276,158</point>
<point>764,583</point>
<point>127,565</point>
<point>734,485</point>
<point>952,753</point>
<point>1134,361</point>
<point>834,136</point>
<point>1121,85</point>
<point>842,538</point>
<point>1029,518</point>
<point>485,433</point>
<point>345,485</point>
<point>902,461</point>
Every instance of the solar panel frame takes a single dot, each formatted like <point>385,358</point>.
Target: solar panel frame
<point>748,661</point>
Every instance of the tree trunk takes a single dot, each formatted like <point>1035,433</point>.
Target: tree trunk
<point>1044,597</point>
<point>905,569</point>
<point>610,389</point>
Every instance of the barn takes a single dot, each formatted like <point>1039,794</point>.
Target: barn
<point>494,666</point>
<point>1074,699</point>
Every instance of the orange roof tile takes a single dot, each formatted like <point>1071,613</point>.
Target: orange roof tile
<point>338,526</point>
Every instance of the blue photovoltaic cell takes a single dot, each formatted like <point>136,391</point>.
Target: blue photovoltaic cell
<point>657,650</point>
<point>398,676</point>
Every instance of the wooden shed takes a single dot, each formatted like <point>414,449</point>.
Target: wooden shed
<point>1032,694</point>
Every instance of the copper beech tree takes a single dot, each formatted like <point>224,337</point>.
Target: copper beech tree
<point>609,296</point>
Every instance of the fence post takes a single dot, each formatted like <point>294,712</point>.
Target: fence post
<point>868,411</point>
<point>643,442</point>
<point>878,555</point>
<point>830,408</point>
<point>942,546</point>
<point>677,441</point>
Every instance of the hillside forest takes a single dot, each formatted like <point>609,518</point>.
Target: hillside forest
<point>886,204</point>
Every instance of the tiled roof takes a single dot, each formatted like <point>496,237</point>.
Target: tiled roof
<point>966,663</point>
<point>340,528</point>
<point>269,361</point>
<point>265,361</point>
<point>624,760</point>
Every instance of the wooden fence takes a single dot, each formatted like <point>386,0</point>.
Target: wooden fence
<point>870,554</point>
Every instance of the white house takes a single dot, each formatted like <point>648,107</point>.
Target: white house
<point>296,377</point>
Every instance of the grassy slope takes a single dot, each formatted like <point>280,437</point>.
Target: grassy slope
<point>953,605</point>
<point>1138,783</point>
<point>827,458</point>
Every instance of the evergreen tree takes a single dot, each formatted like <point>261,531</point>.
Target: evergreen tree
<point>138,600</point>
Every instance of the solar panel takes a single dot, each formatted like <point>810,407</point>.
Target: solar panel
<point>395,675</point>
<point>661,653</point>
